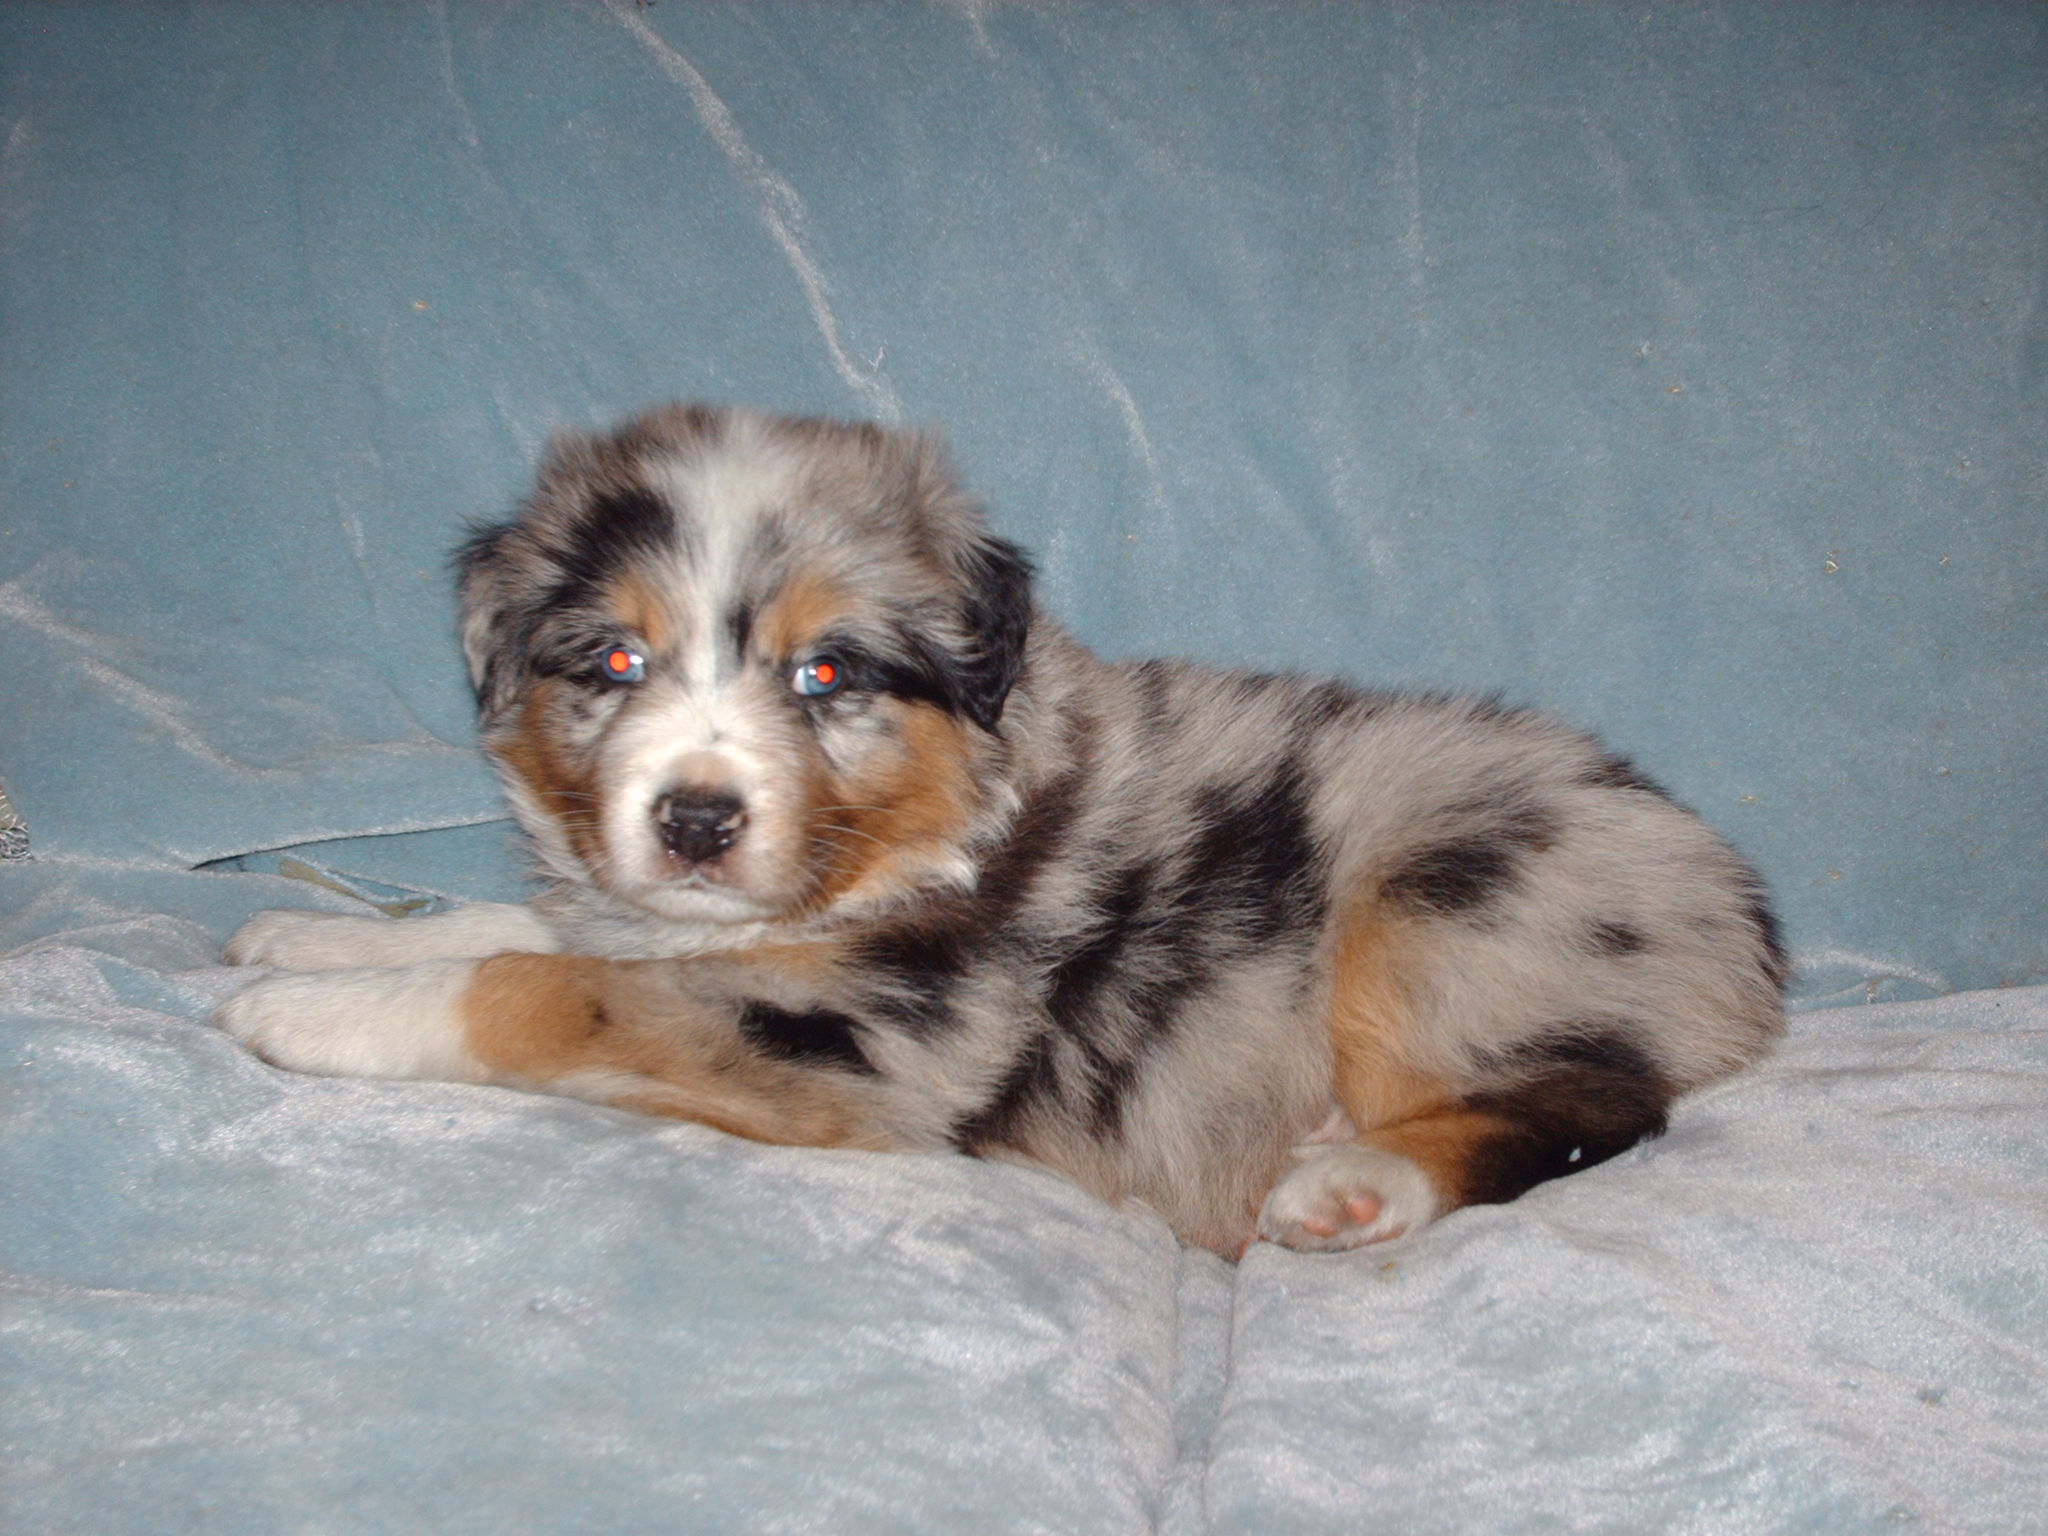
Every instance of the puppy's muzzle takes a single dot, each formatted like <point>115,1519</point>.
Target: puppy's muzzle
<point>699,826</point>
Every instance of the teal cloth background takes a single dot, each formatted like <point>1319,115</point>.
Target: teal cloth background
<point>1682,368</point>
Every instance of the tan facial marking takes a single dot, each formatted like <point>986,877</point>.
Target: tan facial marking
<point>803,608</point>
<point>882,824</point>
<point>545,1018</point>
<point>563,791</point>
<point>638,606</point>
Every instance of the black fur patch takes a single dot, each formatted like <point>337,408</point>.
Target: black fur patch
<point>818,1037</point>
<point>920,963</point>
<point>1249,877</point>
<point>1777,963</point>
<point>1573,1098</point>
<point>480,549</point>
<point>923,676</point>
<point>1254,857</point>
<point>660,432</point>
<point>1155,694</point>
<point>1328,702</point>
<point>1083,971</point>
<point>1116,992</point>
<point>1464,874</point>
<point>617,526</point>
<point>1032,1076</point>
<point>1616,772</point>
<point>1036,837</point>
<point>739,626</point>
<point>1113,1083</point>
<point>1615,939</point>
<point>1493,708</point>
<point>483,549</point>
<point>918,967</point>
<point>998,615</point>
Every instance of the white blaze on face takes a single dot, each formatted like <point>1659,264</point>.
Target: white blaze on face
<point>702,722</point>
<point>722,501</point>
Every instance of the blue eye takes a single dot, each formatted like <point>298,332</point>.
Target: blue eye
<point>818,676</point>
<point>621,665</point>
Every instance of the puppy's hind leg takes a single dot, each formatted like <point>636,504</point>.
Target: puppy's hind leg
<point>1345,1195</point>
<point>1345,1189</point>
<point>1551,1106</point>
<point>1559,1101</point>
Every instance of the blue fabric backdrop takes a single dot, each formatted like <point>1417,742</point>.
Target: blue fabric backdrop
<point>1680,368</point>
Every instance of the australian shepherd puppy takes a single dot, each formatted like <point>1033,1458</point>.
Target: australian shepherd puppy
<point>851,846</point>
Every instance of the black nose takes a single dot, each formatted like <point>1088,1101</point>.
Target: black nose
<point>696,826</point>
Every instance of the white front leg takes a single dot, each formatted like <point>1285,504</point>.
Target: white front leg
<point>394,1022</point>
<point>296,940</point>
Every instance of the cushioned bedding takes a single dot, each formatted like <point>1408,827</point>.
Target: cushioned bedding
<point>242,1301</point>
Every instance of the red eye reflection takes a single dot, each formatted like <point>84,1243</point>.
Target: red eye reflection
<point>818,676</point>
<point>624,666</point>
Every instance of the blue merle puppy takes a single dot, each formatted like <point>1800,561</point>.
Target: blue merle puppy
<point>851,846</point>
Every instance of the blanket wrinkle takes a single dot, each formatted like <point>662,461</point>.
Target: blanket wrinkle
<point>1830,965</point>
<point>976,14</point>
<point>171,717</point>
<point>1201,1323</point>
<point>465,116</point>
<point>22,606</point>
<point>1095,357</point>
<point>14,1283</point>
<point>452,859</point>
<point>777,203</point>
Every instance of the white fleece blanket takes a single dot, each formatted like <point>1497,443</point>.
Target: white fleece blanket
<point>241,1301</point>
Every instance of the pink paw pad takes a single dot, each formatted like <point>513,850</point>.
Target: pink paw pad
<point>1359,1210</point>
<point>1345,1196</point>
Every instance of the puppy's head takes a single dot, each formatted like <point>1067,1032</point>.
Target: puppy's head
<point>735,668</point>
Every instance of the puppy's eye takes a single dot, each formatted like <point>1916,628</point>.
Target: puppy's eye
<point>621,665</point>
<point>818,676</point>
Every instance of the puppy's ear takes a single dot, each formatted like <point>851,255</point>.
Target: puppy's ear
<point>487,641</point>
<point>992,576</point>
<point>996,577</point>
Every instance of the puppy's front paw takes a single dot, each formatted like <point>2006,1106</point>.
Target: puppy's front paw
<point>401,1022</point>
<point>297,940</point>
<point>1346,1196</point>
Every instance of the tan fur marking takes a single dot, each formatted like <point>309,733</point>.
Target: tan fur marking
<point>820,963</point>
<point>545,1018</point>
<point>1371,1021</point>
<point>894,820</point>
<point>563,793</point>
<point>639,607</point>
<point>1441,1143</point>
<point>803,608</point>
<point>1396,1108</point>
